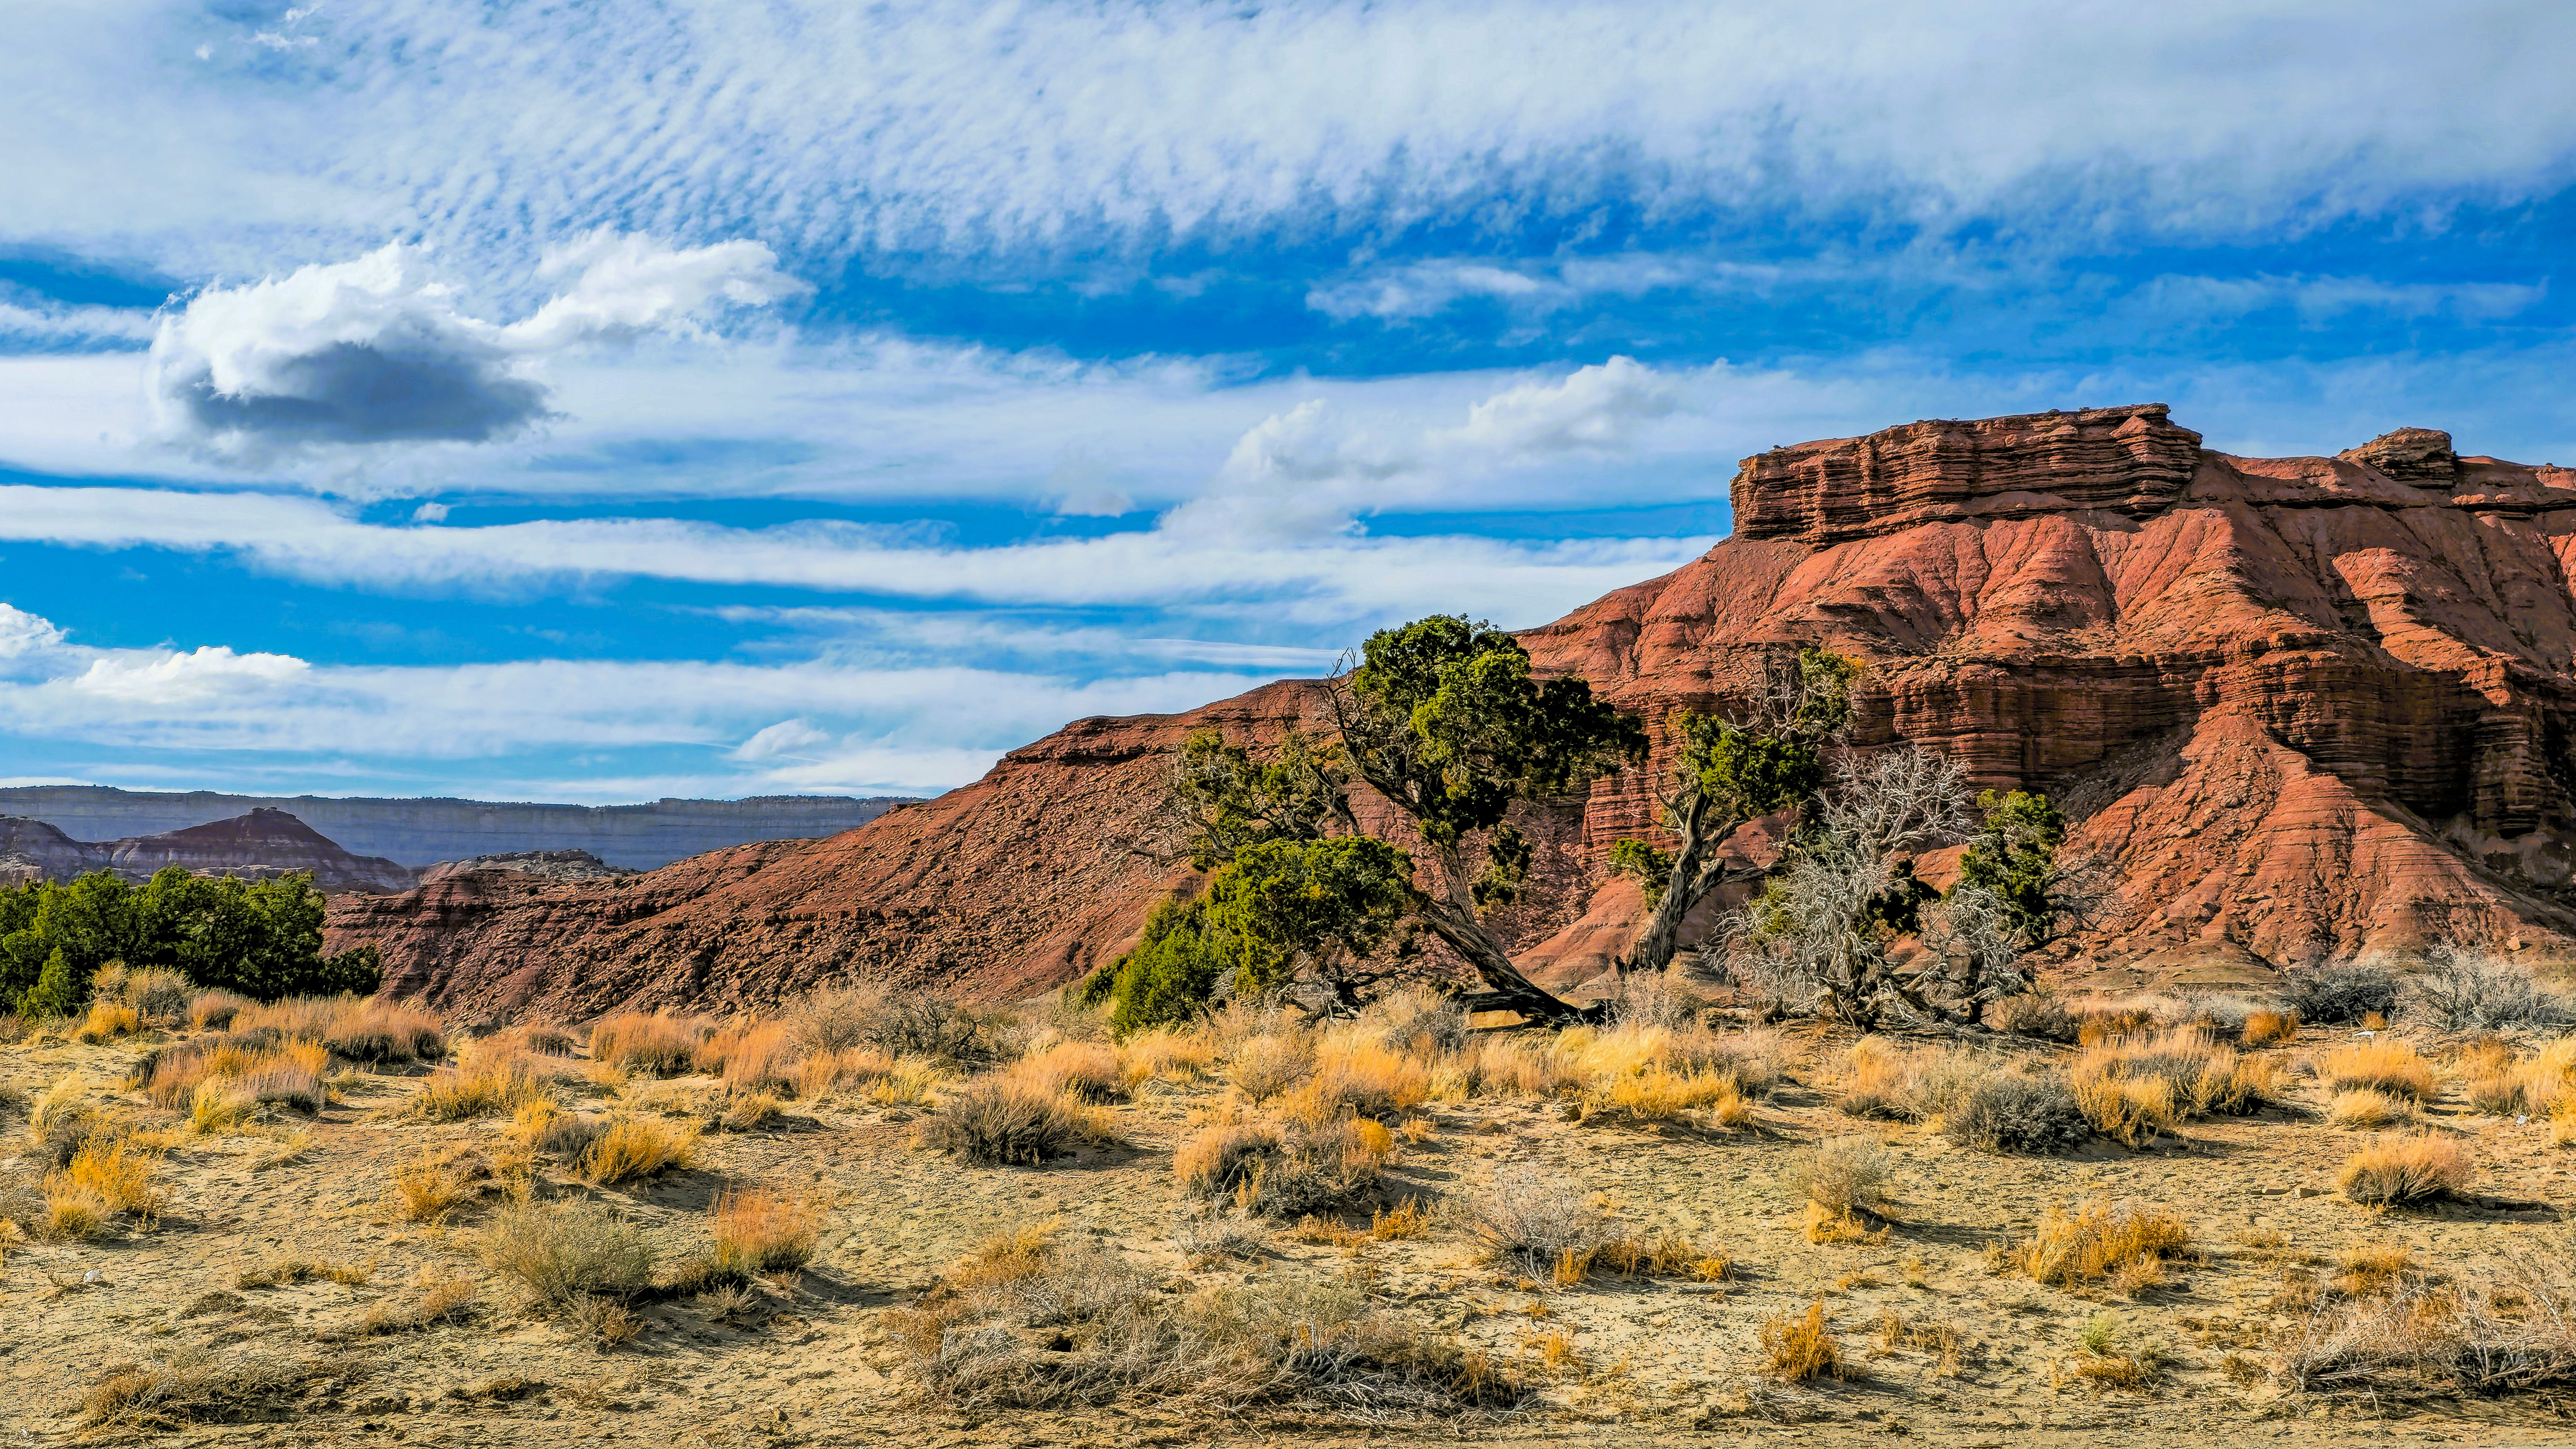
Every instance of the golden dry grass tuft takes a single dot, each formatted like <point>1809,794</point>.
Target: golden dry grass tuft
<point>763,1232</point>
<point>107,1020</point>
<point>1798,1349</point>
<point>2384,1064</point>
<point>2368,1107</point>
<point>659,1043</point>
<point>632,1146</point>
<point>1086,1069</point>
<point>2101,1242</point>
<point>1016,1121</point>
<point>2400,1171</point>
<point>2269,1028</point>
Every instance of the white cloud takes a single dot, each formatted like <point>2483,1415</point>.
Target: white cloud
<point>908,128</point>
<point>381,349</point>
<point>23,634</point>
<point>47,322</point>
<point>787,737</point>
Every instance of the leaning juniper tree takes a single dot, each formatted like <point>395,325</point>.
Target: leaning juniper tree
<point>1727,773</point>
<point>1442,720</point>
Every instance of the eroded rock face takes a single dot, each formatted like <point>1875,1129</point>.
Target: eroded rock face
<point>2303,708</point>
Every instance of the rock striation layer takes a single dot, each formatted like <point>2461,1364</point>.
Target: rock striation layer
<point>2301,708</point>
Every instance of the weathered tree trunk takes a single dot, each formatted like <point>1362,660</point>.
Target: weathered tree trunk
<point>1698,868</point>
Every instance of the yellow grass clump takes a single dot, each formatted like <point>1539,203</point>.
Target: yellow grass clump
<point>825,1072</point>
<point>1165,1054</point>
<point>763,1232</point>
<point>2133,1088</point>
<point>2397,1171</point>
<point>2100,1241</point>
<point>908,1083</point>
<point>108,1019</point>
<point>494,1077</point>
<point>1801,1348</point>
<point>2368,1107</point>
<point>2383,1063</point>
<point>1363,1076</point>
<point>659,1043</point>
<point>632,1147</point>
<point>1087,1069</point>
<point>106,1176</point>
<point>1269,1064</point>
<point>2270,1028</point>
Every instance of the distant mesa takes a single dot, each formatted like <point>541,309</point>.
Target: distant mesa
<point>549,864</point>
<point>425,832</point>
<point>262,844</point>
<point>2302,708</point>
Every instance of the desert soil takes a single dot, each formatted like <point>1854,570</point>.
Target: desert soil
<point>1651,1361</point>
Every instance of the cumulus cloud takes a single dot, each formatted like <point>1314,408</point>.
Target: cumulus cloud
<point>381,349</point>
<point>787,737</point>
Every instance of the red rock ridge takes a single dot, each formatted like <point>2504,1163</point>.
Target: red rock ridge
<point>2308,707</point>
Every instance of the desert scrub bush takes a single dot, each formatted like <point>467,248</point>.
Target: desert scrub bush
<point>762,1232</point>
<point>1418,1021</point>
<point>1661,1094</point>
<point>633,1146</point>
<point>2033,1116</point>
<point>747,1054</point>
<point>431,1185</point>
<point>2368,1107</point>
<point>542,1127</point>
<point>2131,1089</point>
<point>1269,1168</point>
<point>246,1070</point>
<point>1008,1121</point>
<point>2400,1171</point>
<point>1269,1064</point>
<point>1506,1066</point>
<point>495,1075</point>
<point>816,1077</point>
<point>746,1110</point>
<point>2462,989</point>
<point>2124,1244</point>
<point>2512,1331</point>
<point>1086,1069</point>
<point>1884,1080</point>
<point>286,1271</point>
<point>941,1030</point>
<point>834,1019</point>
<point>1798,1349</point>
<point>1029,1323</point>
<point>1209,1242</point>
<point>659,1043</point>
<point>910,1082</point>
<point>1358,1073</point>
<point>2113,1357</point>
<point>2339,995</point>
<point>2503,1083</point>
<point>367,1030</point>
<point>1165,1054</point>
<point>2383,1064</point>
<point>561,1252</point>
<point>193,1386</point>
<point>108,1020</point>
<point>216,1010</point>
<point>106,1177</point>
<point>1541,1225</point>
<point>2269,1028</point>
<point>2044,1018</point>
<point>1845,1175</point>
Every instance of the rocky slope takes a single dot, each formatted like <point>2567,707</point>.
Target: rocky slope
<point>258,845</point>
<point>2303,708</point>
<point>425,832</point>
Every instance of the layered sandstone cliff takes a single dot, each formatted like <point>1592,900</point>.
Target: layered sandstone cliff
<point>262,844</point>
<point>2304,708</point>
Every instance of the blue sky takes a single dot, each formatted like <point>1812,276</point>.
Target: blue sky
<point>601,402</point>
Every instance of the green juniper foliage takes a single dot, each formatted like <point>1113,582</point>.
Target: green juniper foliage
<point>1443,719</point>
<point>260,938</point>
<point>2015,857</point>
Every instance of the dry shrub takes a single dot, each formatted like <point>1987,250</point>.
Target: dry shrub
<point>1799,1349</point>
<point>1086,1069</point>
<point>367,1030</point>
<point>1507,1066</point>
<point>542,1127</point>
<point>1362,1075</point>
<point>1269,1168</point>
<point>2349,992</point>
<point>1418,1021</point>
<point>2373,1268</point>
<point>744,1112</point>
<point>940,1030</point>
<point>659,1043</point>
<point>1165,1054</point>
<point>108,1019</point>
<point>750,1055</point>
<point>2133,1088</point>
<point>1208,1242</point>
<point>1110,1335</point>
<point>908,1083</point>
<point>2016,1114</point>
<point>279,1272</point>
<point>1846,1175</point>
<point>1884,1080</point>
<point>2100,1241</point>
<point>2398,1171</point>
<point>1269,1064</point>
<point>1407,1220</point>
<point>762,1232</point>
<point>2513,1331</point>
<point>2462,989</point>
<point>2099,1022</point>
<point>192,1386</point>
<point>1660,1094</point>
<point>2540,1084</point>
<point>215,1010</point>
<point>567,1251</point>
<point>438,1296</point>
<point>1012,1121</point>
<point>2043,1017</point>
<point>2270,1028</point>
<point>430,1186</point>
<point>818,1076</point>
<point>631,1146</point>
<point>106,1177</point>
<point>1537,1223</point>
<point>495,1075</point>
<point>2383,1063</point>
<point>2365,1107</point>
<point>160,996</point>
<point>608,1321</point>
<point>835,1019</point>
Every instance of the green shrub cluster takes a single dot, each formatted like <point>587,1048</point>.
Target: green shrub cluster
<point>260,938</point>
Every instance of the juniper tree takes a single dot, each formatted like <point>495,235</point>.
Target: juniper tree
<point>1728,773</point>
<point>1442,719</point>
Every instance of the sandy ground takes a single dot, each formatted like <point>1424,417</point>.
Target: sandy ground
<point>1650,1362</point>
